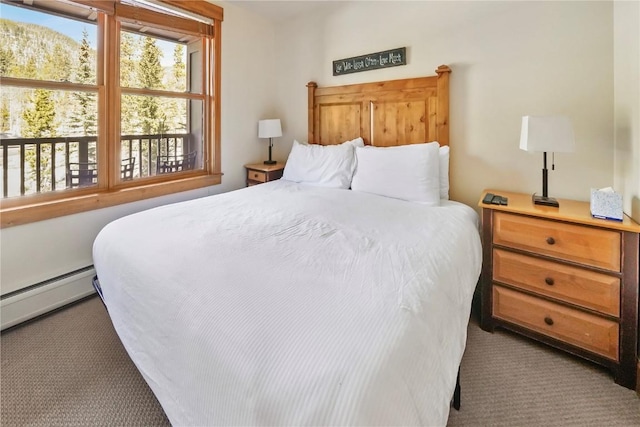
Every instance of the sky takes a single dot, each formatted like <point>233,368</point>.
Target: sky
<point>70,27</point>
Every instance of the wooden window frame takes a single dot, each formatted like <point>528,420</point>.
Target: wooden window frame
<point>110,191</point>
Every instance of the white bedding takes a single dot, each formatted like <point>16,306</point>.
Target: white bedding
<point>287,304</point>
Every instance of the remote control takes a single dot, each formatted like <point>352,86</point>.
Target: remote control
<point>504,201</point>
<point>488,198</point>
<point>496,200</point>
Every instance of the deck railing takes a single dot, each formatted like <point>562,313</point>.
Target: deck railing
<point>34,165</point>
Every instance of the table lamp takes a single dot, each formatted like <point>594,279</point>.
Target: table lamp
<point>546,133</point>
<point>269,128</point>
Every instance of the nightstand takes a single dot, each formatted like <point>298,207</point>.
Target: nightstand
<point>258,173</point>
<point>563,278</point>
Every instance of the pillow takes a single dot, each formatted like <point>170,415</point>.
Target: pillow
<point>322,165</point>
<point>444,172</point>
<point>407,172</point>
<point>358,142</point>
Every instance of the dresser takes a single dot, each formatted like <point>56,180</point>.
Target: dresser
<point>258,173</point>
<point>563,278</point>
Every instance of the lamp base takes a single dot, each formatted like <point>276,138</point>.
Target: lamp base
<point>545,201</point>
<point>270,162</point>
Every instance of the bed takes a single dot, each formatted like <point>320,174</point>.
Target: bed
<point>289,303</point>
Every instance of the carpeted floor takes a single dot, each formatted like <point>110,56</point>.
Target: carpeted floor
<point>69,369</point>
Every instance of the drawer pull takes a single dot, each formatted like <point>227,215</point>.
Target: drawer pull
<point>255,175</point>
<point>549,281</point>
<point>548,320</point>
<point>551,240</point>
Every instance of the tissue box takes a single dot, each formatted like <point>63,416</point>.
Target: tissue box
<point>606,204</point>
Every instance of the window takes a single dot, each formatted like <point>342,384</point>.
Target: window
<point>106,102</point>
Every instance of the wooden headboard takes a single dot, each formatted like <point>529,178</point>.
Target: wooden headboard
<point>393,112</point>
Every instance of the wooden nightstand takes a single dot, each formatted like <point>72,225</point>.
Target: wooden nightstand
<point>561,277</point>
<point>258,173</point>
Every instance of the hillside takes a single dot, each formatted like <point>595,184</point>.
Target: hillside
<point>36,51</point>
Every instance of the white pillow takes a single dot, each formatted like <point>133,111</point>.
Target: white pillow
<point>408,172</point>
<point>358,142</point>
<point>444,172</point>
<point>322,165</point>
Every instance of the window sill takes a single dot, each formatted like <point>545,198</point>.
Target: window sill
<point>38,211</point>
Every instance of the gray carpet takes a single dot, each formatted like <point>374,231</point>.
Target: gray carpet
<point>69,369</point>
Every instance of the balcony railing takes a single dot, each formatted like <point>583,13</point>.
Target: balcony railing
<point>34,165</point>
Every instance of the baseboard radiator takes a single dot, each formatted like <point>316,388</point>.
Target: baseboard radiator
<point>25,304</point>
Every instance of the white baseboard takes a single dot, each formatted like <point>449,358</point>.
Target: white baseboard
<point>26,305</point>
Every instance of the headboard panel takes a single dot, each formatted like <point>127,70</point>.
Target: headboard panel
<point>393,112</point>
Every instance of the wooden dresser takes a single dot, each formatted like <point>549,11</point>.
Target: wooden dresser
<point>561,277</point>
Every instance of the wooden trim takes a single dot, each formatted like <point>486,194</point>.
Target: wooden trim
<point>111,58</point>
<point>442,119</point>
<point>140,15</point>
<point>216,93</point>
<point>105,6</point>
<point>47,84</point>
<point>163,93</point>
<point>97,200</point>
<point>203,8</point>
<point>382,86</point>
<point>486,294</point>
<point>311,89</point>
<point>102,75</point>
<point>638,378</point>
<point>626,373</point>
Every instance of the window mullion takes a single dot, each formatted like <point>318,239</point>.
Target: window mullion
<point>46,84</point>
<point>111,117</point>
<point>163,93</point>
<point>213,92</point>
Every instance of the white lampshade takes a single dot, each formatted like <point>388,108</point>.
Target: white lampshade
<point>269,128</point>
<point>547,133</point>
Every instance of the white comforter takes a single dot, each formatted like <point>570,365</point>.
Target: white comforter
<point>286,304</point>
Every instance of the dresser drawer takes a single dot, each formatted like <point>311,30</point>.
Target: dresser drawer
<point>585,245</point>
<point>257,176</point>
<point>578,286</point>
<point>572,326</point>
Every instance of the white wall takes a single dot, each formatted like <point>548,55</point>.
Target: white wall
<point>36,252</point>
<point>509,59</point>
<point>626,16</point>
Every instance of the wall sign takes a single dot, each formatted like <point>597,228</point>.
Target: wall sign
<point>371,61</point>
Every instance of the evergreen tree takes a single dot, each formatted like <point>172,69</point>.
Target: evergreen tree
<point>179,69</point>
<point>39,122</point>
<point>57,65</point>
<point>30,70</point>
<point>7,61</point>
<point>150,77</point>
<point>128,48</point>
<point>150,71</point>
<point>175,109</point>
<point>128,62</point>
<point>5,117</point>
<point>84,115</point>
